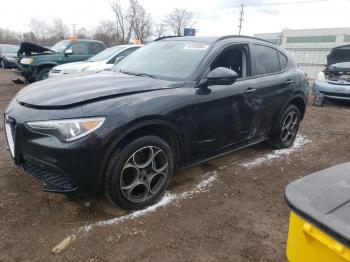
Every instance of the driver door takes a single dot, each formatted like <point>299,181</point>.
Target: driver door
<point>227,113</point>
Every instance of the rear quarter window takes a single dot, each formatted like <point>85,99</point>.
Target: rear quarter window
<point>283,60</point>
<point>96,48</point>
<point>266,60</point>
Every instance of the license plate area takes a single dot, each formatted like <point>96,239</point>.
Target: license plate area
<point>9,136</point>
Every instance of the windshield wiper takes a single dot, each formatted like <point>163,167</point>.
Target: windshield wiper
<point>136,74</point>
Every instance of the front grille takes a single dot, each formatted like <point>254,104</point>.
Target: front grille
<point>336,94</point>
<point>48,176</point>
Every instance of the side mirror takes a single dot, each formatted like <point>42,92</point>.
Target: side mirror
<point>68,52</point>
<point>118,59</point>
<point>219,76</point>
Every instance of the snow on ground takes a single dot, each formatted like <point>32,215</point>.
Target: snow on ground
<point>168,198</point>
<point>276,154</point>
<point>207,181</point>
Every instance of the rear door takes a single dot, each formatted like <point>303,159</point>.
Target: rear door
<point>273,85</point>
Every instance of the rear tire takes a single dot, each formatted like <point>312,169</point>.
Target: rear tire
<point>43,74</point>
<point>138,173</point>
<point>287,128</point>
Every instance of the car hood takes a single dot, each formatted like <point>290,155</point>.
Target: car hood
<point>9,54</point>
<point>75,89</point>
<point>339,54</point>
<point>28,49</point>
<point>339,66</point>
<point>78,65</point>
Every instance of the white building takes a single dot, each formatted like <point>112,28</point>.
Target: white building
<point>310,46</point>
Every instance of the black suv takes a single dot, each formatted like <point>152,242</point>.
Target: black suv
<point>169,105</point>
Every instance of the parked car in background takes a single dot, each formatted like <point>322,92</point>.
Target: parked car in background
<point>36,61</point>
<point>334,81</point>
<point>102,61</point>
<point>171,104</point>
<point>8,55</point>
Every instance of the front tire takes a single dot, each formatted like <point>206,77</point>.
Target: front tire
<point>287,128</point>
<point>139,173</point>
<point>43,74</point>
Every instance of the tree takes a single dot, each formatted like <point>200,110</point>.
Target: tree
<point>141,21</point>
<point>124,22</point>
<point>178,19</point>
<point>106,32</point>
<point>40,29</point>
<point>59,30</point>
<point>132,22</point>
<point>160,30</point>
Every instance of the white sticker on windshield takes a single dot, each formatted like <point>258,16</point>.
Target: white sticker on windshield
<point>196,46</point>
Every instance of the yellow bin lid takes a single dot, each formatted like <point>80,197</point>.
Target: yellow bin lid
<point>323,199</point>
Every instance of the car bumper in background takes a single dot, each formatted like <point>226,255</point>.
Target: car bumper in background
<point>329,90</point>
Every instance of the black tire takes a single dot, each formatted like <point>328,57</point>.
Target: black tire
<point>285,135</point>
<point>43,74</point>
<point>128,184</point>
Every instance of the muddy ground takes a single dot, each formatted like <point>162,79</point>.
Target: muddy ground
<point>239,216</point>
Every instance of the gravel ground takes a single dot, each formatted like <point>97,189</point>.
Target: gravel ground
<point>229,209</point>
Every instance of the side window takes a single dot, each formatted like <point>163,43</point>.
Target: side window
<point>80,49</point>
<point>96,47</point>
<point>124,54</point>
<point>266,60</point>
<point>283,60</point>
<point>234,58</point>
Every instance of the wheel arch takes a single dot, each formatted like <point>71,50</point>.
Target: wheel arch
<point>300,103</point>
<point>161,128</point>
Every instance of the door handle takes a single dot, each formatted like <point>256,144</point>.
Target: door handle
<point>289,82</point>
<point>250,90</point>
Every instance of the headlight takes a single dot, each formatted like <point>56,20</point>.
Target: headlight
<point>321,77</point>
<point>70,71</point>
<point>67,130</point>
<point>26,61</point>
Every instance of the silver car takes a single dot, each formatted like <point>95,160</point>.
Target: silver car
<point>102,61</point>
<point>334,80</point>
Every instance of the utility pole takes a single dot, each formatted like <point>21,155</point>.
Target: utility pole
<point>74,27</point>
<point>241,18</point>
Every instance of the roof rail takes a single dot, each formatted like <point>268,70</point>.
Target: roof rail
<point>165,37</point>
<point>244,36</point>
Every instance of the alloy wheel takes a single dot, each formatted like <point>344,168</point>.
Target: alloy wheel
<point>144,174</point>
<point>290,127</point>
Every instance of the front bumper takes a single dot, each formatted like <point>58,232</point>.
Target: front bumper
<point>330,90</point>
<point>21,71</point>
<point>62,167</point>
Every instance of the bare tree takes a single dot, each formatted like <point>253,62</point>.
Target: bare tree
<point>141,21</point>
<point>106,32</point>
<point>178,19</point>
<point>9,36</point>
<point>40,29</point>
<point>124,21</point>
<point>160,30</point>
<point>59,30</point>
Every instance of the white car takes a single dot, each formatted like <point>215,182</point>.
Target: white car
<point>101,61</point>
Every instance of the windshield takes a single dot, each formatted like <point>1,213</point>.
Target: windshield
<point>9,49</point>
<point>60,46</point>
<point>105,54</point>
<point>175,60</point>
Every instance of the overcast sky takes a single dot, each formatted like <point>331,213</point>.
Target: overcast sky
<point>213,17</point>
